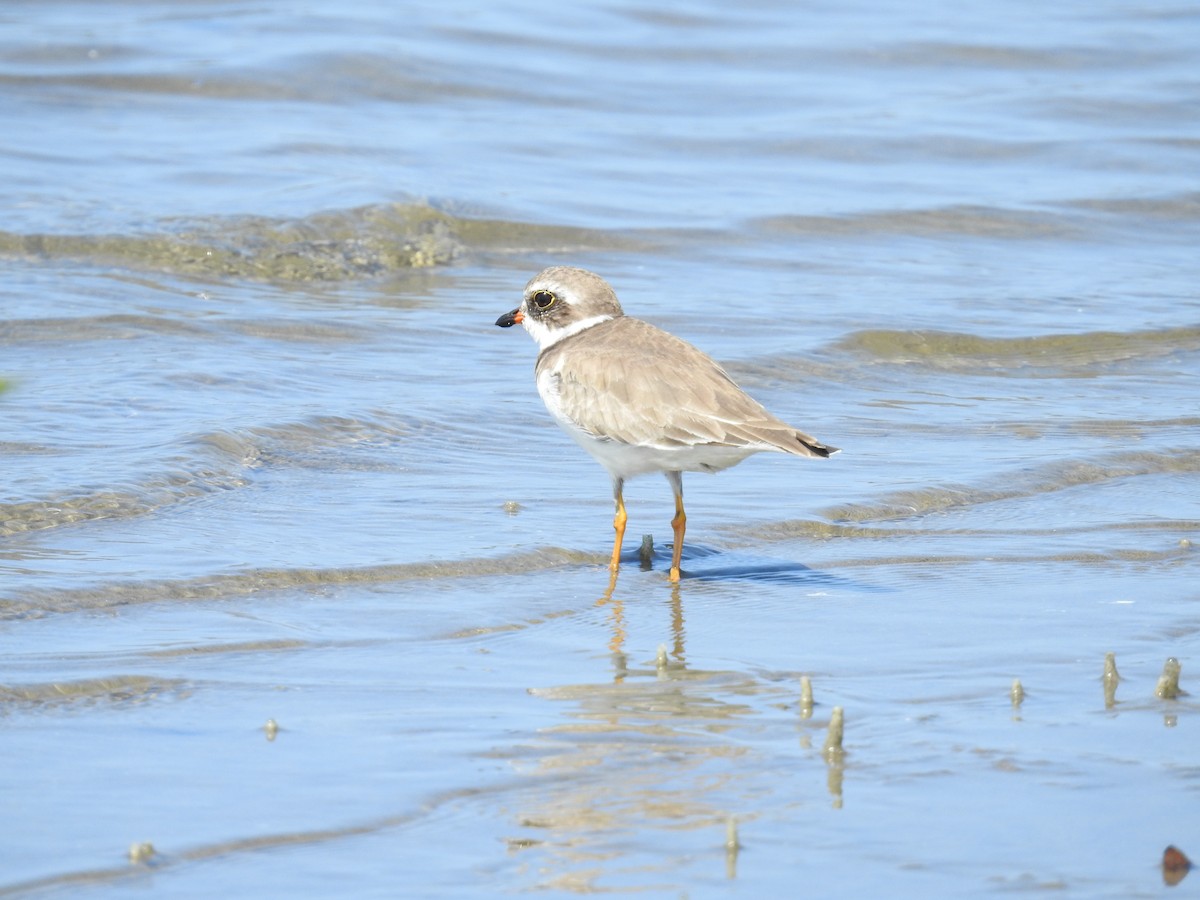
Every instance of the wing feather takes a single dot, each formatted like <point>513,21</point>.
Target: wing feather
<point>630,382</point>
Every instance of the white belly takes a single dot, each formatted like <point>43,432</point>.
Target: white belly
<point>627,460</point>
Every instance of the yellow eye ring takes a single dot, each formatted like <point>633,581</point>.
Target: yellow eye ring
<point>542,299</point>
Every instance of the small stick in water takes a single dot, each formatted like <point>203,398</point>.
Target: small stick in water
<point>1168,681</point>
<point>732,846</point>
<point>140,853</point>
<point>1111,679</point>
<point>646,551</point>
<point>833,740</point>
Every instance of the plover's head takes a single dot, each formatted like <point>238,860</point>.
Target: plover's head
<point>561,301</point>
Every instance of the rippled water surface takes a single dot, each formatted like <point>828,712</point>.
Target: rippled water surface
<point>267,459</point>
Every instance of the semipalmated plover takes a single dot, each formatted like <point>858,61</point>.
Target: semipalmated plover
<point>637,398</point>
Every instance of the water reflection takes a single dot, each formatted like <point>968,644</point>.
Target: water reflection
<point>618,626</point>
<point>650,750</point>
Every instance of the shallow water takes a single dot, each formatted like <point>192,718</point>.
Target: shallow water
<point>267,458</point>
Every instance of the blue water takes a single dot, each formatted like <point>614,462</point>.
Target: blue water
<point>267,457</point>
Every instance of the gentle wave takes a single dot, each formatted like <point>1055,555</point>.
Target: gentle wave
<point>819,530</point>
<point>117,503</point>
<point>214,462</point>
<point>1045,480</point>
<point>1180,208</point>
<point>281,645</point>
<point>336,78</point>
<point>332,246</point>
<point>1067,220</point>
<point>973,221</point>
<point>140,875</point>
<point>942,54</point>
<point>35,604</point>
<point>114,326</point>
<point>129,326</point>
<point>372,241</point>
<point>1087,558</point>
<point>953,350</point>
<point>312,442</point>
<point>120,690</point>
<point>339,245</point>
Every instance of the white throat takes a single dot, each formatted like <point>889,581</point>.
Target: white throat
<point>548,337</point>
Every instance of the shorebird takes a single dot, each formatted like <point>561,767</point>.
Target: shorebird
<point>639,399</point>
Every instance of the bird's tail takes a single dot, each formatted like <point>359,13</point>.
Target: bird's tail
<point>812,447</point>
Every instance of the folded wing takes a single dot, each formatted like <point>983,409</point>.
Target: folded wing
<point>636,384</point>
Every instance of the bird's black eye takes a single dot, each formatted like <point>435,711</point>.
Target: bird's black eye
<point>542,299</point>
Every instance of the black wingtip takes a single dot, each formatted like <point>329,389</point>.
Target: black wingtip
<point>822,450</point>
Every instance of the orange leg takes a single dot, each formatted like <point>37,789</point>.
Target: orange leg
<point>618,523</point>
<point>678,524</point>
